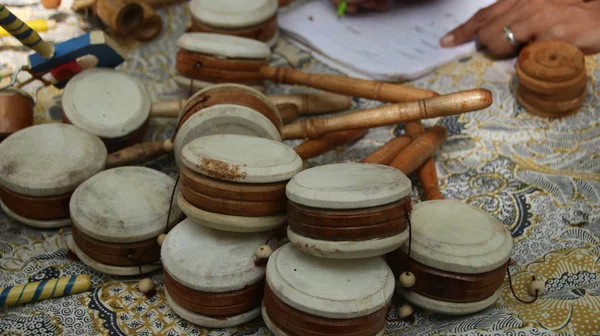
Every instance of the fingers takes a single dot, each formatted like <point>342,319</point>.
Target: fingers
<point>468,30</point>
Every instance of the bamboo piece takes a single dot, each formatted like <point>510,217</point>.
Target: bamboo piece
<point>315,147</point>
<point>353,87</point>
<point>139,152</point>
<point>439,106</point>
<point>386,153</point>
<point>420,150</point>
<point>427,172</point>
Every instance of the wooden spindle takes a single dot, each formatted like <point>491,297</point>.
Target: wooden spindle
<point>427,172</point>
<point>315,147</point>
<point>420,150</point>
<point>386,153</point>
<point>439,106</point>
<point>138,153</point>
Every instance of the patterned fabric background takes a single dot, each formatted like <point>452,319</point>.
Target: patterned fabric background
<point>540,177</point>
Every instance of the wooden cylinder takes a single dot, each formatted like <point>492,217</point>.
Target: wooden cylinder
<point>151,25</point>
<point>439,106</point>
<point>121,16</point>
<point>315,147</point>
<point>314,103</point>
<point>167,109</point>
<point>427,172</point>
<point>354,87</point>
<point>386,153</point>
<point>420,150</point>
<point>16,111</point>
<point>139,152</point>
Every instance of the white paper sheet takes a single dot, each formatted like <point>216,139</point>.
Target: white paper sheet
<point>399,45</point>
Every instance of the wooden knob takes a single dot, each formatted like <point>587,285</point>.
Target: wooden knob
<point>346,85</point>
<point>536,288</point>
<point>139,152</point>
<point>160,239</point>
<point>264,252</point>
<point>315,147</point>
<point>386,153</point>
<point>407,279</point>
<point>421,149</point>
<point>440,106</point>
<point>405,311</point>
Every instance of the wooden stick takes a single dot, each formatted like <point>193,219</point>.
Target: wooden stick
<point>315,147</point>
<point>420,150</point>
<point>439,106</point>
<point>348,86</point>
<point>139,152</point>
<point>167,109</point>
<point>427,172</point>
<point>386,153</point>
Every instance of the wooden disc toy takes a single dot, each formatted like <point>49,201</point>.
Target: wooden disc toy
<point>250,19</point>
<point>214,278</point>
<point>226,109</point>
<point>458,258</point>
<point>552,78</point>
<point>42,165</point>
<point>348,211</point>
<point>117,216</point>
<point>213,58</point>
<point>16,111</point>
<point>306,295</point>
<point>108,103</point>
<point>239,177</point>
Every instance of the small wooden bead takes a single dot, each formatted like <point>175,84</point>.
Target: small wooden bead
<point>146,285</point>
<point>168,145</point>
<point>264,252</point>
<point>536,286</point>
<point>161,238</point>
<point>405,311</point>
<point>407,279</point>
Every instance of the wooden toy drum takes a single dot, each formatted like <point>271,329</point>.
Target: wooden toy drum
<point>107,103</point>
<point>227,109</point>
<point>211,276</point>
<point>348,211</point>
<point>204,59</point>
<point>255,19</point>
<point>41,166</point>
<point>117,216</point>
<point>16,111</point>
<point>236,182</point>
<point>306,295</point>
<point>459,256</point>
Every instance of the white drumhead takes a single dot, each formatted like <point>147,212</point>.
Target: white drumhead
<point>233,13</point>
<point>224,119</point>
<point>211,322</point>
<point>228,222</point>
<point>224,46</point>
<point>348,186</point>
<point>36,223</point>
<point>338,289</point>
<point>210,260</point>
<point>49,159</point>
<point>241,158</point>
<point>443,307</point>
<point>456,237</point>
<point>106,102</point>
<point>109,269</point>
<point>124,205</point>
<point>197,85</point>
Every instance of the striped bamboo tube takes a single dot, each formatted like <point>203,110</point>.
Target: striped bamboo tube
<point>46,289</point>
<point>22,32</point>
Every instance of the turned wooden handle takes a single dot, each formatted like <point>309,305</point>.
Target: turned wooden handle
<point>314,103</point>
<point>421,149</point>
<point>348,86</point>
<point>139,152</point>
<point>427,172</point>
<point>386,153</point>
<point>439,106</point>
<point>315,147</point>
<point>167,109</point>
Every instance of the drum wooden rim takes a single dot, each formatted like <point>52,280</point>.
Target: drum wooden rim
<point>231,190</point>
<point>542,60</point>
<point>449,308</point>
<point>552,107</point>
<point>218,75</point>
<point>264,31</point>
<point>207,61</point>
<point>348,234</point>
<point>571,86</point>
<point>39,208</point>
<point>537,112</point>
<point>346,218</point>
<point>36,223</point>
<point>198,85</point>
<point>224,46</point>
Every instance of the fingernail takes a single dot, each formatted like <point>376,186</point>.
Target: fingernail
<point>447,40</point>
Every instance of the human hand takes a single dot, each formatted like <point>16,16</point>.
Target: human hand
<point>355,5</point>
<point>573,21</point>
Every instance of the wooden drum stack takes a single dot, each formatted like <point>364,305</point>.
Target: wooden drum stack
<point>458,258</point>
<point>118,215</point>
<point>256,19</point>
<point>552,79</point>
<point>204,59</point>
